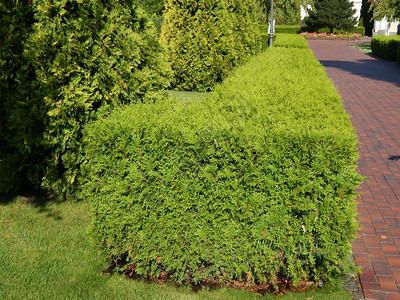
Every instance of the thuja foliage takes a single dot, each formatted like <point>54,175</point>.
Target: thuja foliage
<point>206,39</point>
<point>332,14</point>
<point>84,58</point>
<point>255,183</point>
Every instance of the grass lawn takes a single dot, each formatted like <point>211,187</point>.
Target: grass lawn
<point>364,48</point>
<point>46,253</point>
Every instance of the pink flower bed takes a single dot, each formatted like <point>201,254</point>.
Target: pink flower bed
<point>331,36</point>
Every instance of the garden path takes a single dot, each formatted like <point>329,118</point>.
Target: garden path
<point>370,89</point>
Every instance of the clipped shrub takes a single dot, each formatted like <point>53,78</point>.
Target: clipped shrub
<point>293,29</point>
<point>385,46</point>
<point>288,40</point>
<point>206,40</point>
<point>256,183</point>
<point>288,29</point>
<point>85,60</point>
<point>357,29</point>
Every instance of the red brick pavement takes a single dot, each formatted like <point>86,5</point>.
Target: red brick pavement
<point>370,89</point>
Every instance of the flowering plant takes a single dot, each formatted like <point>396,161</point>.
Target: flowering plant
<point>331,36</point>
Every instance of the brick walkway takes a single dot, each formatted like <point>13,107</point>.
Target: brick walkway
<point>370,89</point>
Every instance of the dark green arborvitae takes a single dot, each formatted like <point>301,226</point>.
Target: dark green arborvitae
<point>337,14</point>
<point>85,58</point>
<point>206,39</point>
<point>366,15</point>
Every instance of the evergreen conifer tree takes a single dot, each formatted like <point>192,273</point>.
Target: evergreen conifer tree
<point>84,57</point>
<point>366,15</point>
<point>337,14</point>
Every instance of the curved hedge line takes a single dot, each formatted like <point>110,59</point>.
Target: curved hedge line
<point>256,183</point>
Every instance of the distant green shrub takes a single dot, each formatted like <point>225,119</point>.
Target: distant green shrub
<point>288,29</point>
<point>358,29</point>
<point>385,46</point>
<point>79,61</point>
<point>206,40</point>
<point>288,40</point>
<point>297,29</point>
<point>256,183</point>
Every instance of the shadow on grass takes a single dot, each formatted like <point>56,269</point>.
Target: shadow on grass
<point>42,201</point>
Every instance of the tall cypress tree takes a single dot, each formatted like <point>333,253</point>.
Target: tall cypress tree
<point>366,15</point>
<point>337,14</point>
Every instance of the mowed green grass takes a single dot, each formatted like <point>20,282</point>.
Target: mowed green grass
<point>364,48</point>
<point>47,253</point>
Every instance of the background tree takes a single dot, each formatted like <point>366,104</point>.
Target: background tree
<point>366,17</point>
<point>206,39</point>
<point>337,14</point>
<point>389,9</point>
<point>80,60</point>
<point>285,11</point>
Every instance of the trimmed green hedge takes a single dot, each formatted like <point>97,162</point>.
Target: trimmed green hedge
<point>293,29</point>
<point>358,29</point>
<point>256,183</point>
<point>288,40</point>
<point>386,47</point>
<point>289,29</point>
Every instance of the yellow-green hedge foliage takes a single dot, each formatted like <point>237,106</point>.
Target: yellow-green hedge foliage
<point>257,182</point>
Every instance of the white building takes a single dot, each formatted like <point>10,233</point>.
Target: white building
<point>384,27</point>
